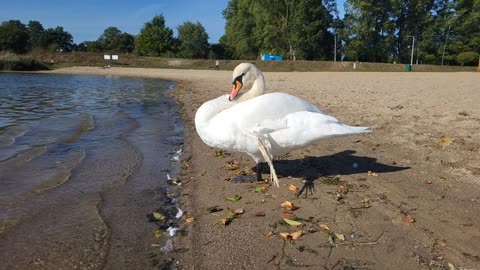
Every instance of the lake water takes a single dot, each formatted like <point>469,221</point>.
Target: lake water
<point>83,160</point>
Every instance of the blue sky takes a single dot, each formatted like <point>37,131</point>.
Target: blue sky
<point>87,19</point>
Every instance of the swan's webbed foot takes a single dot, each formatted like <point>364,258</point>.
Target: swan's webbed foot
<point>309,185</point>
<point>250,178</point>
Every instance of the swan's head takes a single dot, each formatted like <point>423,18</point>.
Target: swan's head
<point>243,74</point>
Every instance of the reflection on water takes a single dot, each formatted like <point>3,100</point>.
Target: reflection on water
<point>76,154</point>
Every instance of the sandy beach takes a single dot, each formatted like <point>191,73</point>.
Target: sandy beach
<point>405,196</point>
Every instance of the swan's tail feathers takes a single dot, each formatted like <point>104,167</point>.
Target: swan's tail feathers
<point>359,130</point>
<point>268,157</point>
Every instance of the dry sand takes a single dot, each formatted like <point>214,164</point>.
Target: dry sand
<point>423,152</point>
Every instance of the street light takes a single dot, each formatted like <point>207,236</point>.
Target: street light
<point>413,46</point>
<point>445,44</point>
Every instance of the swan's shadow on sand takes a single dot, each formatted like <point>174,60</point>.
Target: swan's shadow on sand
<point>342,163</point>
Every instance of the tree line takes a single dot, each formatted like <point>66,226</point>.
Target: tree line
<point>154,39</point>
<point>371,30</point>
<point>443,31</point>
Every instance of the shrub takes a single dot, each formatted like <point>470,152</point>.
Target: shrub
<point>13,62</point>
<point>468,58</point>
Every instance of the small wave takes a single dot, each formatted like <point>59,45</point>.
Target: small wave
<point>85,125</point>
<point>62,174</point>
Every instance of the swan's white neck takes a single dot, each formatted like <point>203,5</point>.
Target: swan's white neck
<point>211,108</point>
<point>258,88</point>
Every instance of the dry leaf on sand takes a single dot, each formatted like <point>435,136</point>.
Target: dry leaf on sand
<point>289,205</point>
<point>323,227</point>
<point>408,219</point>
<point>291,236</point>
<point>293,188</point>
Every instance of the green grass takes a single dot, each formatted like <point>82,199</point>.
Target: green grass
<point>58,60</point>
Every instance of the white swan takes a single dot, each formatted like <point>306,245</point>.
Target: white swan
<point>264,125</point>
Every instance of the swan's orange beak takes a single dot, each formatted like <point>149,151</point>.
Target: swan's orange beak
<point>236,86</point>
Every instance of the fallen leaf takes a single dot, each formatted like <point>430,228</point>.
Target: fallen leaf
<point>291,236</point>
<point>340,236</point>
<point>151,255</point>
<point>284,235</point>
<point>293,188</point>
<point>443,244</point>
<point>323,227</point>
<point>230,213</point>
<point>286,204</point>
<point>235,198</point>
<point>232,167</point>
<point>330,240</point>
<point>370,173</point>
<point>270,233</point>
<point>158,216</point>
<point>225,221</point>
<point>219,153</point>
<point>342,189</point>
<point>287,214</point>
<point>155,245</point>
<point>292,222</point>
<point>159,234</point>
<point>214,209</point>
<point>296,235</point>
<point>239,211</point>
<point>188,218</point>
<point>261,189</point>
<point>446,140</point>
<point>408,219</point>
<point>260,214</point>
<point>289,205</point>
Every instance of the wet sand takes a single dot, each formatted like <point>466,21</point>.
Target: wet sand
<point>77,183</point>
<point>416,209</point>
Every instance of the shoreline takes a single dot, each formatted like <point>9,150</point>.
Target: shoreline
<point>423,151</point>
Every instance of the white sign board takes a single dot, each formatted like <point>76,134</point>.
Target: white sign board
<point>114,57</point>
<point>106,57</point>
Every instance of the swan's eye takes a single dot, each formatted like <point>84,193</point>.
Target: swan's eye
<point>238,79</point>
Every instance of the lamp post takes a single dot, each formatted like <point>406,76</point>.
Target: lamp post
<point>445,44</point>
<point>413,46</point>
<point>335,50</point>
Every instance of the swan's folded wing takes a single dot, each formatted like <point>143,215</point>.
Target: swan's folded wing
<point>303,128</point>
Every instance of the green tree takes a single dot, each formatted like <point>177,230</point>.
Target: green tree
<point>465,30</point>
<point>110,38</point>
<point>308,35</point>
<point>369,30</point>
<point>93,46</point>
<point>155,38</point>
<point>126,43</point>
<point>240,24</point>
<point>14,37</point>
<point>193,40</point>
<point>294,28</point>
<point>115,40</point>
<point>35,30</point>
<point>57,39</point>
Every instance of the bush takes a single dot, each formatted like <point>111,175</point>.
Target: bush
<point>430,59</point>
<point>13,62</point>
<point>468,58</point>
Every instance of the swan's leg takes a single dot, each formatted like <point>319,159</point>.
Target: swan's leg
<point>258,169</point>
<point>267,156</point>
